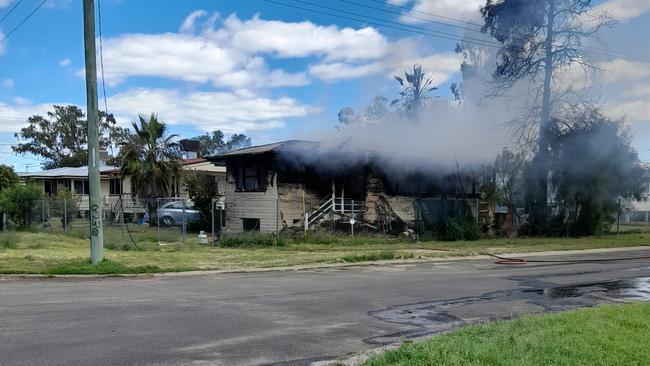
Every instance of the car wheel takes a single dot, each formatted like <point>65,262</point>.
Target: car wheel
<point>167,221</point>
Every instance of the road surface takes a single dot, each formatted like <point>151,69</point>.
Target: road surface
<point>290,317</point>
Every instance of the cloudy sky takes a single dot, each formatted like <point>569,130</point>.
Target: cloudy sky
<point>267,70</point>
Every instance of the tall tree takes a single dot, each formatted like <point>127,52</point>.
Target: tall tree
<point>213,143</point>
<point>539,40</point>
<point>594,167</point>
<point>416,85</point>
<point>8,177</point>
<point>61,137</point>
<point>152,160</point>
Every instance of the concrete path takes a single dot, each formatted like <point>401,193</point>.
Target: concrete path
<point>289,317</point>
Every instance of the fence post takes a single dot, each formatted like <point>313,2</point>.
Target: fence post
<point>184,220</point>
<point>212,220</point>
<point>157,220</point>
<point>43,215</point>
<point>65,216</point>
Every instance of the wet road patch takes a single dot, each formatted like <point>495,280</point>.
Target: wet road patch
<point>442,316</point>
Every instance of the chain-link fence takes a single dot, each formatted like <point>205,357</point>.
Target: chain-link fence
<point>126,221</point>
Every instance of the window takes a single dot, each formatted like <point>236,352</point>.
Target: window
<point>49,187</point>
<point>251,224</point>
<point>248,178</point>
<point>81,187</point>
<point>115,186</point>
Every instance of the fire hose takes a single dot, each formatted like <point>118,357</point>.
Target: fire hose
<point>519,261</point>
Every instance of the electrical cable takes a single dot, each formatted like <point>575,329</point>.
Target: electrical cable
<point>427,33</point>
<point>415,29</point>
<point>22,21</point>
<point>11,11</point>
<point>101,62</point>
<point>593,49</point>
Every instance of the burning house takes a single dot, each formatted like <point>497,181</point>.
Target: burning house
<point>299,185</point>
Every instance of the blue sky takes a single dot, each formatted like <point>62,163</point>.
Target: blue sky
<point>259,68</point>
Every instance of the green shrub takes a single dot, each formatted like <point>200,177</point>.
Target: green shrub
<point>459,229</point>
<point>250,239</point>
<point>19,202</point>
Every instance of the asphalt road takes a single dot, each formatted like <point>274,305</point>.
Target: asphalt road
<point>286,318</point>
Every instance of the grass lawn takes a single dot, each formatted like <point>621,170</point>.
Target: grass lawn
<point>605,335</point>
<point>41,253</point>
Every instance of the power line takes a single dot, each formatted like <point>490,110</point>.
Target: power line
<point>11,11</point>
<point>427,13</point>
<point>101,54</point>
<point>415,30</point>
<point>455,36</point>
<point>426,33</point>
<point>21,157</point>
<point>594,49</point>
<point>23,21</point>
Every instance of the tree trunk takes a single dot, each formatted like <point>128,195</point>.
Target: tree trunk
<point>546,128</point>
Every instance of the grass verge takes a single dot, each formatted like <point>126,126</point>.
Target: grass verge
<point>605,335</point>
<point>42,253</point>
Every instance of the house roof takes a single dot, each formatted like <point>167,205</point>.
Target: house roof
<point>194,161</point>
<point>264,149</point>
<point>66,172</point>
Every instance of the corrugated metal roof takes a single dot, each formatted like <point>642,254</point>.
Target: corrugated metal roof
<point>263,149</point>
<point>65,172</point>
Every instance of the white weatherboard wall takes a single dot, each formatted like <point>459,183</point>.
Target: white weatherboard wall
<point>251,205</point>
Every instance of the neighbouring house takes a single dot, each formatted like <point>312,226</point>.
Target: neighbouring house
<point>115,190</point>
<point>638,210</point>
<point>294,185</point>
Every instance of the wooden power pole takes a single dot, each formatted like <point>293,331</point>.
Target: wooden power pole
<point>96,229</point>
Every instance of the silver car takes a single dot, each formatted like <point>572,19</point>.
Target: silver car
<point>171,214</point>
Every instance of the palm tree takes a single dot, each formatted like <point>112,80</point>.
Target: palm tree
<point>414,90</point>
<point>152,161</point>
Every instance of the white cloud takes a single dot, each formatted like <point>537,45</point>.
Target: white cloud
<point>207,111</point>
<point>638,90</point>
<point>624,9</point>
<point>188,25</point>
<point>14,117</point>
<point>339,70</point>
<point>22,102</point>
<point>4,3</point>
<point>8,83</point>
<point>65,62</point>
<point>624,70</point>
<point>302,39</point>
<point>398,2</point>
<point>440,67</point>
<point>233,54</point>
<point>465,10</point>
<point>634,111</point>
<point>189,58</point>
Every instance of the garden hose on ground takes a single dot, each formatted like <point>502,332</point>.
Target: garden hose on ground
<point>517,261</point>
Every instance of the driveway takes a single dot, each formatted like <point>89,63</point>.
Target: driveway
<point>290,317</point>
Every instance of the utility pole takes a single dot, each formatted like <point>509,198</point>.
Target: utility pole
<point>96,229</point>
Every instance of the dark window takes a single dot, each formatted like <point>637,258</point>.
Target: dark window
<point>248,178</point>
<point>81,187</point>
<point>115,186</point>
<point>251,224</point>
<point>49,187</point>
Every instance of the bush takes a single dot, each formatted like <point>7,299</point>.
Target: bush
<point>459,229</point>
<point>19,201</point>
<point>251,239</point>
